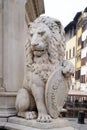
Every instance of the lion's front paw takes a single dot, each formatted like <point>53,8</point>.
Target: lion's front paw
<point>30,115</point>
<point>68,69</point>
<point>44,118</point>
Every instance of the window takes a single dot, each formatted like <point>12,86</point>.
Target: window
<point>69,53</point>
<point>86,39</point>
<point>82,78</point>
<point>77,75</point>
<point>79,41</point>
<point>86,78</point>
<point>73,51</point>
<point>66,54</point>
<point>83,44</point>
<point>83,61</point>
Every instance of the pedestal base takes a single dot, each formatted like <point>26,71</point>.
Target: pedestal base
<point>11,126</point>
<point>56,123</point>
<point>16,123</point>
<point>7,104</point>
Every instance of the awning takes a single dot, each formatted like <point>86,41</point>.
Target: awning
<point>77,93</point>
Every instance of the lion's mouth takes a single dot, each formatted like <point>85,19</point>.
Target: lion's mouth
<point>38,52</point>
<point>37,48</point>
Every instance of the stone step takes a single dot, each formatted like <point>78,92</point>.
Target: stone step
<point>14,126</point>
<point>56,123</point>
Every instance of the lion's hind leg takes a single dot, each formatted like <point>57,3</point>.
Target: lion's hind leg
<point>22,100</point>
<point>23,105</point>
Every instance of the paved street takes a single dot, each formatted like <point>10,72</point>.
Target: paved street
<point>74,124</point>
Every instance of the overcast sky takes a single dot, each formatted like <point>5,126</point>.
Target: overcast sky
<point>64,10</point>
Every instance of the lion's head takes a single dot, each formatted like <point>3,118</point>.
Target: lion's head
<point>47,36</point>
<point>39,34</point>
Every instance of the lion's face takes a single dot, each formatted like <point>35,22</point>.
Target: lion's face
<point>39,38</point>
<point>46,38</point>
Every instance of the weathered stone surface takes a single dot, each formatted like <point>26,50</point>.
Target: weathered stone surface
<point>33,9</point>
<point>12,126</point>
<point>3,119</point>
<point>44,55</point>
<point>56,92</point>
<point>15,123</point>
<point>56,123</point>
<point>7,104</point>
<point>1,46</point>
<point>13,44</point>
<point>12,39</point>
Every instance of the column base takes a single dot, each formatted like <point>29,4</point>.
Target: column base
<point>7,104</point>
<point>2,89</point>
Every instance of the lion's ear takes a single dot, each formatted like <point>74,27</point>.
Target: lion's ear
<point>58,23</point>
<point>61,28</point>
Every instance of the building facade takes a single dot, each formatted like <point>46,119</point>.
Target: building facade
<point>83,77</point>
<point>80,24</point>
<point>70,54</point>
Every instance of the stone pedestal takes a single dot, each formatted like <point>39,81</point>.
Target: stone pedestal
<point>15,123</point>
<point>56,123</point>
<point>20,127</point>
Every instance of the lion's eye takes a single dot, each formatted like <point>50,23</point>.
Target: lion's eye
<point>31,34</point>
<point>41,33</point>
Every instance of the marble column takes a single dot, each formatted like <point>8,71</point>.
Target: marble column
<point>12,39</point>
<point>13,44</point>
<point>1,23</point>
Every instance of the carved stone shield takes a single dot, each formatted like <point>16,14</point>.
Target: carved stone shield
<point>56,92</point>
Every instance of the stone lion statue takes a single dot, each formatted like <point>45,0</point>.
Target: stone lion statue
<point>45,51</point>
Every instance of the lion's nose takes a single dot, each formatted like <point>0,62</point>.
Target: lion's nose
<point>34,44</point>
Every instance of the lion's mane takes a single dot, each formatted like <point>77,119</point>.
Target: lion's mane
<point>56,49</point>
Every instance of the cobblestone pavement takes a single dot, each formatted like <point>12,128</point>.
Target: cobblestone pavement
<point>74,123</point>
